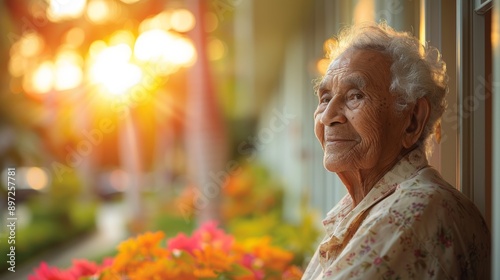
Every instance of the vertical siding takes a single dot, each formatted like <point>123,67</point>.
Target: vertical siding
<point>496,139</point>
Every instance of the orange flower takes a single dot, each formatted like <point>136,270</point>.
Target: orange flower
<point>214,259</point>
<point>292,273</point>
<point>238,185</point>
<point>204,273</point>
<point>266,258</point>
<point>210,254</point>
<point>135,252</point>
<point>160,269</point>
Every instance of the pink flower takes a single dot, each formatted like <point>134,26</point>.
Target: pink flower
<point>107,262</point>
<point>209,233</point>
<point>377,261</point>
<point>82,268</point>
<point>182,242</point>
<point>45,272</point>
<point>247,260</point>
<point>258,274</point>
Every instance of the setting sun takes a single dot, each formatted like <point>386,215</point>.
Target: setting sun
<point>112,70</point>
<point>42,78</point>
<point>61,10</point>
<point>68,71</point>
<point>164,47</point>
<point>152,44</point>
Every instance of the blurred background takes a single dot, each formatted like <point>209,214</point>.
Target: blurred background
<point>125,116</point>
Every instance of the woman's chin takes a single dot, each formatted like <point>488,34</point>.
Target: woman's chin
<point>337,166</point>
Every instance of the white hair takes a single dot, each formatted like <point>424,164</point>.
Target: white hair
<point>417,70</point>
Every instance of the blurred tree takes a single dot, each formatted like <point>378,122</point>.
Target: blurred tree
<point>206,135</point>
<point>19,116</point>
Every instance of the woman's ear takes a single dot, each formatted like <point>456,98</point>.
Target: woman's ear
<point>419,116</point>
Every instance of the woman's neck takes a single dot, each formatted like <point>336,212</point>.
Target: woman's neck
<point>360,182</point>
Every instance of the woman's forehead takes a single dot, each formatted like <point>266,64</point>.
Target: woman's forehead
<point>359,57</point>
<point>369,64</point>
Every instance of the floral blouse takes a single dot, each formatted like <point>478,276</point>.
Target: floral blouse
<point>411,225</point>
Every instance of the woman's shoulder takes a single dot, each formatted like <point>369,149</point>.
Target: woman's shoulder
<point>430,216</point>
<point>427,197</point>
<point>429,185</point>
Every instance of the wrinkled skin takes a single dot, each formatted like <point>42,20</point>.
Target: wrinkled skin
<point>356,121</point>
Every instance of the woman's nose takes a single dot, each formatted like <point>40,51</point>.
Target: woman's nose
<point>334,112</point>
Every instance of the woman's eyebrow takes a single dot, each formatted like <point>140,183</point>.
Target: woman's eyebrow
<point>323,85</point>
<point>355,79</point>
<point>352,79</point>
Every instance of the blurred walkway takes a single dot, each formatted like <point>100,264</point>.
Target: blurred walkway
<point>110,231</point>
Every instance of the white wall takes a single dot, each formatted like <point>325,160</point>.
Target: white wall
<point>293,152</point>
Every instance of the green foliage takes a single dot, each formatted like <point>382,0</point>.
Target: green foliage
<point>253,207</point>
<point>251,191</point>
<point>171,225</point>
<point>298,238</point>
<point>57,216</point>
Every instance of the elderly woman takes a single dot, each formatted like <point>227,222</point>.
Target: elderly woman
<point>379,105</point>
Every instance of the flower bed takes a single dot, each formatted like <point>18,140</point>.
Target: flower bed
<point>252,207</point>
<point>209,253</point>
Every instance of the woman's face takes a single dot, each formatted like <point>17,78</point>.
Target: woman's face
<point>356,121</point>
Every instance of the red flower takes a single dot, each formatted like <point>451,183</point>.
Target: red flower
<point>45,272</point>
<point>82,268</point>
<point>209,233</point>
<point>182,242</point>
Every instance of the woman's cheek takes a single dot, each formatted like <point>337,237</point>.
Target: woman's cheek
<point>319,129</point>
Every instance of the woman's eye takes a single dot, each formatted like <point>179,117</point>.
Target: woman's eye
<point>325,98</point>
<point>354,99</point>
<point>355,96</point>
